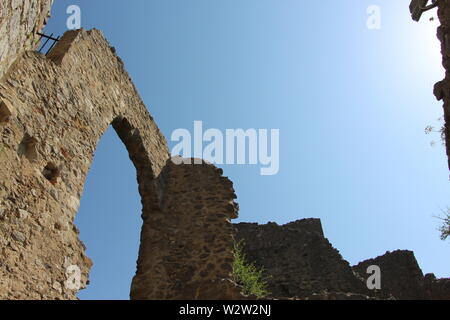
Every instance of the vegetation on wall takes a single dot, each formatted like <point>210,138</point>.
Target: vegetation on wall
<point>248,275</point>
<point>445,227</point>
<point>439,130</point>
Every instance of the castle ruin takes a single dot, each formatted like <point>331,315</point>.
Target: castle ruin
<point>53,111</point>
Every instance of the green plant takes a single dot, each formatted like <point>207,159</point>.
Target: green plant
<point>247,275</point>
<point>445,227</point>
<point>441,131</point>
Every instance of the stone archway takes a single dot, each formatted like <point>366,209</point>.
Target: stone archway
<point>58,108</point>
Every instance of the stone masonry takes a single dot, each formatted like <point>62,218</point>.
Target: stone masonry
<point>19,22</point>
<point>53,111</point>
<point>298,261</point>
<point>442,88</point>
<point>403,279</point>
<point>187,242</point>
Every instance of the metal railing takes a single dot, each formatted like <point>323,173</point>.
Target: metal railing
<point>48,38</point>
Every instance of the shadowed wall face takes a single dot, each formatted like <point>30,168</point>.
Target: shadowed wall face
<point>298,260</point>
<point>442,88</point>
<point>187,246</point>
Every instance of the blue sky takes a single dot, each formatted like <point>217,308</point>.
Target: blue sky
<point>351,105</point>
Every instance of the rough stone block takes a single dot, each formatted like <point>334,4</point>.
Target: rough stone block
<point>6,110</point>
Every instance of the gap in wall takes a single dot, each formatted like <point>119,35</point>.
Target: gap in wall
<point>110,221</point>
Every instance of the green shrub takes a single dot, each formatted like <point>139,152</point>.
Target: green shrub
<point>247,275</point>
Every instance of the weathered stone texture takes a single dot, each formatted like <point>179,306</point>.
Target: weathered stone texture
<point>403,279</point>
<point>442,88</point>
<point>62,110</point>
<point>436,289</point>
<point>187,246</point>
<point>298,260</point>
<point>19,22</point>
<point>400,273</point>
<point>54,110</point>
<point>63,103</point>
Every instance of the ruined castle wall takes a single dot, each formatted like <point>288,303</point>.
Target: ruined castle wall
<point>442,88</point>
<point>401,275</point>
<point>187,248</point>
<point>402,278</point>
<point>19,22</point>
<point>54,110</point>
<point>57,113</point>
<point>298,260</point>
<point>436,289</point>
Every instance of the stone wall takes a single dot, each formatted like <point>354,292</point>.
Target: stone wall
<point>54,110</point>
<point>59,107</point>
<point>442,88</point>
<point>401,275</point>
<point>187,246</point>
<point>403,279</point>
<point>298,261</point>
<point>436,289</point>
<point>19,22</point>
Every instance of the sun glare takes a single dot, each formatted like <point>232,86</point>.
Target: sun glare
<point>426,37</point>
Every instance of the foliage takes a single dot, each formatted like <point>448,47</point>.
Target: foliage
<point>441,131</point>
<point>247,275</point>
<point>445,228</point>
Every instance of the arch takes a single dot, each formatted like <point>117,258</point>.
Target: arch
<point>66,101</point>
<point>109,220</point>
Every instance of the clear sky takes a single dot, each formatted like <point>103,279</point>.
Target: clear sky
<point>351,104</point>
